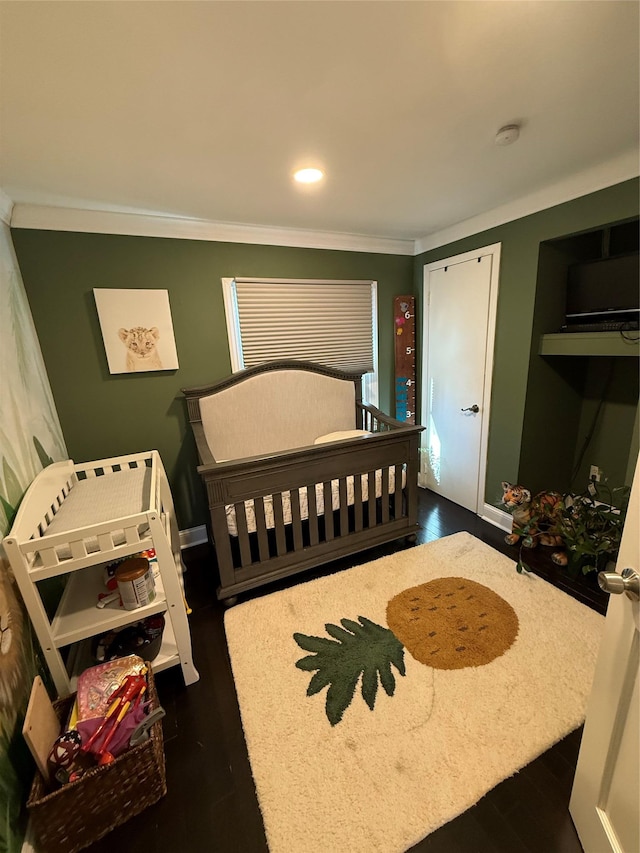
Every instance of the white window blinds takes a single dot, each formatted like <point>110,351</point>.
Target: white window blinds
<point>329,322</point>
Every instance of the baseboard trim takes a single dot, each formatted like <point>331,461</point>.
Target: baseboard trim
<point>193,536</point>
<point>497,517</point>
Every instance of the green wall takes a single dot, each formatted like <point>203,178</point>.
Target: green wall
<point>515,340</point>
<point>104,415</point>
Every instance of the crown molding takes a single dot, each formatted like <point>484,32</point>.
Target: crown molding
<point>6,207</point>
<point>94,221</point>
<point>615,171</point>
<point>48,218</point>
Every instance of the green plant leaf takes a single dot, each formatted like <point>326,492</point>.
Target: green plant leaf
<point>9,512</point>
<point>12,485</point>
<point>360,649</point>
<point>43,456</point>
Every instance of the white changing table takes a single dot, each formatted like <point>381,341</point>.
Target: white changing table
<point>73,520</point>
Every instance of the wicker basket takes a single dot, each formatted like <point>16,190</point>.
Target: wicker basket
<point>79,813</point>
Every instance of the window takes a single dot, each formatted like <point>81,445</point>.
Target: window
<point>330,322</point>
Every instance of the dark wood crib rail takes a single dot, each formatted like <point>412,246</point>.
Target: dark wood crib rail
<point>256,558</point>
<point>250,559</point>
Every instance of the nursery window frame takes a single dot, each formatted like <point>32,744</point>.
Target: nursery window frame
<point>336,321</point>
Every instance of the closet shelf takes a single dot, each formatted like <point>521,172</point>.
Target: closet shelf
<point>589,344</point>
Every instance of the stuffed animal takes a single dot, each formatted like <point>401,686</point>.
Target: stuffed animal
<point>535,519</point>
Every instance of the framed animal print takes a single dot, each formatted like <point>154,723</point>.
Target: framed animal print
<point>137,330</point>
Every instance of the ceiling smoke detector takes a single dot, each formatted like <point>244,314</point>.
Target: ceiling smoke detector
<point>507,134</point>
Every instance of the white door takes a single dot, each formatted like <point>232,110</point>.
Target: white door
<point>460,296</point>
<point>605,801</point>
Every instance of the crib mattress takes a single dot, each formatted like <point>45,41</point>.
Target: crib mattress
<point>304,501</point>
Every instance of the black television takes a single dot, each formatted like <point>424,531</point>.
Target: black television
<point>604,292</point>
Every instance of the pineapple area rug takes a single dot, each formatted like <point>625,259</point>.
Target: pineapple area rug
<point>380,702</point>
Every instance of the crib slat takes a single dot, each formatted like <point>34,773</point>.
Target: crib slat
<point>397,497</point>
<point>296,519</point>
<point>328,511</point>
<point>261,528</point>
<point>312,504</point>
<point>243,533</point>
<point>385,495</point>
<point>344,507</point>
<point>372,498</point>
<point>222,542</point>
<point>357,501</point>
<point>278,519</point>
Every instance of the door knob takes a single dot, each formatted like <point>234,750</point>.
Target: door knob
<point>628,581</point>
<point>473,408</point>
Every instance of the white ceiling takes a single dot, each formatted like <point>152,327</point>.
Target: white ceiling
<point>203,109</point>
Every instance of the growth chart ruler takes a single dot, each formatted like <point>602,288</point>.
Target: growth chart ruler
<point>404,324</point>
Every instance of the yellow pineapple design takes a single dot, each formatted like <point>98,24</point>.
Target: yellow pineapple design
<point>447,623</point>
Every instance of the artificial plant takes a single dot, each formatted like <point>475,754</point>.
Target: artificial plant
<point>590,525</point>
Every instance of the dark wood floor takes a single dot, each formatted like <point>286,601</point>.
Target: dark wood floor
<point>211,803</point>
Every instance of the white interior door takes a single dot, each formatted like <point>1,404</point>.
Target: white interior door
<point>459,327</point>
<point>605,801</point>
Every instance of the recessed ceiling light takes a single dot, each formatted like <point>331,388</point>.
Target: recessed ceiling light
<point>308,176</point>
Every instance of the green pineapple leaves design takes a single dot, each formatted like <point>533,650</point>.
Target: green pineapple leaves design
<point>357,649</point>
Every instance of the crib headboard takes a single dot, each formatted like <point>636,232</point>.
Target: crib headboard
<point>273,407</point>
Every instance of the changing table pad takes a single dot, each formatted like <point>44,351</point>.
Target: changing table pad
<point>97,500</point>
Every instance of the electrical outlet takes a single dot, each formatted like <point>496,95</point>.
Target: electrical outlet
<point>594,474</point>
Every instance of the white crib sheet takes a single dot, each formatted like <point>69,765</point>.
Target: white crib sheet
<point>304,504</point>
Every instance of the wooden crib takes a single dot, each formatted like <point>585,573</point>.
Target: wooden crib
<point>299,471</point>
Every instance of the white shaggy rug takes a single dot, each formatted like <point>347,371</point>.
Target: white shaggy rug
<point>381,778</point>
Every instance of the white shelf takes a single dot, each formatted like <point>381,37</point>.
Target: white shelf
<point>74,520</point>
<point>78,617</point>
<point>80,657</point>
<point>589,344</point>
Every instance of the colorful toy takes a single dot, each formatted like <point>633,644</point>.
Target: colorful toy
<point>98,685</point>
<point>65,749</point>
<point>130,691</point>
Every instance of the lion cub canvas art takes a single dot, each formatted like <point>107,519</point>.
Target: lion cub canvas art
<point>141,344</point>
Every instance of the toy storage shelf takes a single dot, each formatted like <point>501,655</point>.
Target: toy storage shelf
<point>81,658</point>
<point>77,616</point>
<point>73,521</point>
